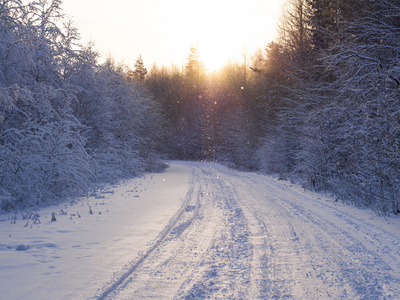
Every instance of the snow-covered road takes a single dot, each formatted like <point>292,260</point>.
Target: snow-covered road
<point>201,231</point>
<point>240,235</point>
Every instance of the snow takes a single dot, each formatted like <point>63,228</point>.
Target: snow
<point>74,256</point>
<point>201,230</point>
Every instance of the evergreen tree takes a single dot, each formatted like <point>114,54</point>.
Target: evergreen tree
<point>140,71</point>
<point>195,68</point>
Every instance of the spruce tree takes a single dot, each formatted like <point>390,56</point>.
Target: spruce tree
<point>140,70</point>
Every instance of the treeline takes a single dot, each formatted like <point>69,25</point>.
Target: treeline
<point>211,116</point>
<point>321,104</point>
<point>67,122</point>
<point>332,85</point>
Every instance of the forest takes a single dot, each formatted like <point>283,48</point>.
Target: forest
<point>319,106</point>
<point>67,123</point>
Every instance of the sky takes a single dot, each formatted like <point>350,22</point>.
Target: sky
<point>163,31</point>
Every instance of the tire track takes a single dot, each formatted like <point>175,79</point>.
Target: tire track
<point>317,251</point>
<point>227,270</point>
<point>120,279</point>
<point>179,255</point>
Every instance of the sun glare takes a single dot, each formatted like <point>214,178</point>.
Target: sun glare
<point>164,31</point>
<point>224,30</point>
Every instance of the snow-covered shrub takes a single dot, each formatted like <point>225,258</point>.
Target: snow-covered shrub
<point>124,122</point>
<point>65,121</point>
<point>42,152</point>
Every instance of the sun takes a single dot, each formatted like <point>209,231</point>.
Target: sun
<point>223,30</point>
<point>220,37</point>
<point>217,47</point>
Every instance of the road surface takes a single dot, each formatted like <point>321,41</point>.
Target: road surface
<point>241,235</point>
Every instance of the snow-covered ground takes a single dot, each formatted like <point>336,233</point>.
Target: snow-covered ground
<point>75,256</point>
<point>201,230</point>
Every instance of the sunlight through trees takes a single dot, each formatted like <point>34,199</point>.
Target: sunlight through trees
<point>319,105</point>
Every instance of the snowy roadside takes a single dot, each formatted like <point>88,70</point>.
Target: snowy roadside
<point>79,252</point>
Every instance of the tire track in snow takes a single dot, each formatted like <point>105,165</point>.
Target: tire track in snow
<point>179,255</point>
<point>270,275</point>
<point>318,251</point>
<point>226,267</point>
<point>120,279</point>
<point>358,263</point>
<point>206,257</point>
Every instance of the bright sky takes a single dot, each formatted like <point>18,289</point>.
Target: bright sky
<point>162,31</point>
